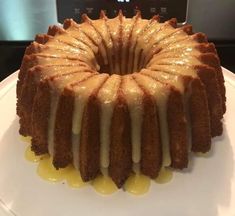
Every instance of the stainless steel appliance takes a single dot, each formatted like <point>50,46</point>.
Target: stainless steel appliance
<point>165,8</point>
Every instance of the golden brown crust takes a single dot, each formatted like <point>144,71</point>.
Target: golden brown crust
<point>211,59</point>
<point>206,48</point>
<point>200,37</point>
<point>63,135</point>
<point>27,63</point>
<point>53,30</point>
<point>151,148</point>
<point>176,119</point>
<point>25,102</point>
<point>40,118</point>
<point>42,38</point>
<point>200,119</point>
<point>187,29</point>
<point>89,149</point>
<point>68,23</point>
<point>172,22</point>
<point>120,146</point>
<point>89,160</point>
<point>208,77</point>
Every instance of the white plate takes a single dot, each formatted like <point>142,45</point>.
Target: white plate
<point>207,188</point>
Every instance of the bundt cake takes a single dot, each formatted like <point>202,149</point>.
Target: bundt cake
<point>122,95</point>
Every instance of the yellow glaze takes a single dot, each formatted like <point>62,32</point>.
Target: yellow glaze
<point>164,176</point>
<point>137,184</point>
<point>30,155</point>
<point>47,171</point>
<point>200,154</point>
<point>104,185</point>
<point>74,178</point>
<point>26,139</point>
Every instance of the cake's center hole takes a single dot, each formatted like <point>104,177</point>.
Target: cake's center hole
<point>122,62</point>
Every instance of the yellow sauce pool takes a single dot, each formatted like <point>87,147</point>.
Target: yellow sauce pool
<point>136,184</point>
<point>164,176</point>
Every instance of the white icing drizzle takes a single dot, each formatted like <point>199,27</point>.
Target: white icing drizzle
<point>175,69</point>
<point>126,31</point>
<point>114,29</point>
<point>134,95</point>
<point>101,28</point>
<point>145,42</point>
<point>58,85</point>
<point>75,149</point>
<point>101,44</point>
<point>186,61</point>
<point>164,32</point>
<point>140,44</point>
<point>139,25</point>
<point>173,39</point>
<point>60,53</point>
<point>178,82</point>
<point>89,30</point>
<point>179,53</point>
<point>160,93</point>
<point>164,77</point>
<point>51,122</point>
<point>76,32</point>
<point>107,95</point>
<point>82,92</point>
<point>136,168</point>
<point>185,45</point>
<point>68,79</point>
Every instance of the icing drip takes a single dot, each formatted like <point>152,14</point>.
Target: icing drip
<point>165,175</point>
<point>132,45</point>
<point>175,69</point>
<point>51,122</point>
<point>47,171</point>
<point>126,33</point>
<point>58,83</point>
<point>104,185</point>
<point>101,28</point>
<point>134,95</point>
<point>114,29</point>
<point>140,27</point>
<point>186,61</point>
<point>75,144</point>
<point>178,82</point>
<point>82,92</point>
<point>74,178</point>
<point>137,184</point>
<point>160,93</point>
<point>107,95</point>
<point>88,28</point>
<point>136,168</point>
<point>30,155</point>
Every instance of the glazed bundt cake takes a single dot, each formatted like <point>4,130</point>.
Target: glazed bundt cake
<point>121,95</point>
